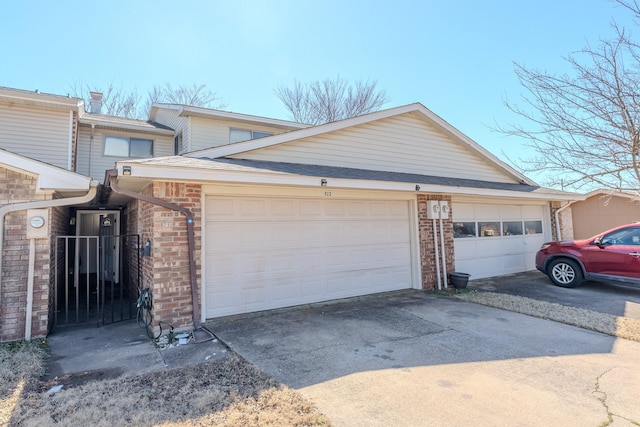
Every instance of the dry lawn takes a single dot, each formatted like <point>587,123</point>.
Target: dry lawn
<point>226,392</point>
<point>621,327</point>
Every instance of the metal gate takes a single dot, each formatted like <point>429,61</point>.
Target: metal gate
<point>97,279</point>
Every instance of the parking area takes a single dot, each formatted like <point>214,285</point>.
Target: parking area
<point>410,358</point>
<point>610,298</point>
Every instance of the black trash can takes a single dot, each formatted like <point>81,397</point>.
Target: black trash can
<point>459,280</point>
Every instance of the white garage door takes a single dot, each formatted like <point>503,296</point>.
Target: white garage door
<point>264,253</point>
<point>491,240</point>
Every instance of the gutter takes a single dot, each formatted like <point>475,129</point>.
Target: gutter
<point>111,182</point>
<point>41,204</point>
<point>557,218</point>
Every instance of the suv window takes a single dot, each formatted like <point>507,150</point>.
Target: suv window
<point>626,236</point>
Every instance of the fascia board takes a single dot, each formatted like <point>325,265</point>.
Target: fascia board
<point>212,176</point>
<point>49,177</point>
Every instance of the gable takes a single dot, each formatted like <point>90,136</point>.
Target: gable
<point>404,143</point>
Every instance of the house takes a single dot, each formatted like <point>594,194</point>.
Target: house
<point>221,213</point>
<point>599,211</point>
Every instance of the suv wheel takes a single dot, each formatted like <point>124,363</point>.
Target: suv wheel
<point>564,272</point>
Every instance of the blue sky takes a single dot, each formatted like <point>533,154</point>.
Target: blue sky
<point>455,57</point>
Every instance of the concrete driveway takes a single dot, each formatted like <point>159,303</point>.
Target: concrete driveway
<point>411,359</point>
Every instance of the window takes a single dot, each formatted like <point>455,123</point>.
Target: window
<point>512,228</point>
<point>464,229</point>
<point>489,229</point>
<point>127,147</point>
<point>533,227</point>
<point>239,135</point>
<point>177,144</point>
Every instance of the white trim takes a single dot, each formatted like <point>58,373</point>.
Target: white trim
<point>49,177</point>
<point>187,110</point>
<point>193,174</point>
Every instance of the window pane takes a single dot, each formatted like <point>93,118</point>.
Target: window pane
<point>116,146</point>
<point>512,228</point>
<point>489,229</point>
<point>533,227</point>
<point>237,135</point>
<point>257,135</point>
<point>464,229</point>
<point>141,148</point>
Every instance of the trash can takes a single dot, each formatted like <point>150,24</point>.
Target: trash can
<point>459,280</point>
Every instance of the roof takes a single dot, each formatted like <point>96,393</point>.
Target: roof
<point>192,111</point>
<point>38,99</point>
<point>116,122</point>
<point>425,113</point>
<point>610,193</point>
<point>50,178</point>
<point>253,171</point>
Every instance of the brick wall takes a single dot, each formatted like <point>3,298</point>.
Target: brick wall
<point>166,271</point>
<point>428,247</point>
<point>15,188</point>
<point>59,227</point>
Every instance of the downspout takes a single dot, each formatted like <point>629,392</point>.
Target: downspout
<point>41,204</point>
<point>442,247</point>
<point>435,245</point>
<point>112,173</point>
<point>557,218</point>
<point>93,131</point>
<point>70,154</point>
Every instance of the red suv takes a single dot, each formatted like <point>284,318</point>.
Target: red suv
<point>610,256</point>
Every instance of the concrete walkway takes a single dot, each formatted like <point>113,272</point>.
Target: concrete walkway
<point>410,359</point>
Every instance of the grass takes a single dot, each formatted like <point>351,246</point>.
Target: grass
<point>225,392</point>
<point>621,327</point>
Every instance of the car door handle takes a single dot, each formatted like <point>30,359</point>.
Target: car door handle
<point>635,254</point>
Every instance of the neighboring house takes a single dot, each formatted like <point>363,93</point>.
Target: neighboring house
<point>258,213</point>
<point>599,211</point>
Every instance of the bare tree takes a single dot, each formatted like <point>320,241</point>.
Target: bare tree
<point>195,95</point>
<point>115,100</point>
<point>585,127</point>
<point>330,100</point>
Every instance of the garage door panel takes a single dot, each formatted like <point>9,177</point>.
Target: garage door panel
<point>303,251</point>
<point>489,255</point>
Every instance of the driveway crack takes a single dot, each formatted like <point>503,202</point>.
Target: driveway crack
<point>602,397</point>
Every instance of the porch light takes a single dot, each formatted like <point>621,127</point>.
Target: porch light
<point>323,182</point>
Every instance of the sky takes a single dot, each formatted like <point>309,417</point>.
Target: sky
<point>455,57</point>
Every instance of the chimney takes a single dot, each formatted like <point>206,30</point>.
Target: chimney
<point>95,104</point>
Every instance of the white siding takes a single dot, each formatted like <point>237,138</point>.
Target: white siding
<point>207,133</point>
<point>172,119</point>
<point>36,133</point>
<point>396,144</point>
<point>99,163</point>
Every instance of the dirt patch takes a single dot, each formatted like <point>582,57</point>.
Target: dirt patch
<point>621,327</point>
<point>224,392</point>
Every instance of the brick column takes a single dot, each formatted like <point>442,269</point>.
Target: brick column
<point>166,271</point>
<point>428,247</point>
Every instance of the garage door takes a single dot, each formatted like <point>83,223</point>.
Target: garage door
<point>264,253</point>
<point>492,240</point>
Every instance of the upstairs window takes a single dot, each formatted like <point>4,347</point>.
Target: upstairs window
<point>177,145</point>
<point>239,135</point>
<point>119,146</point>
